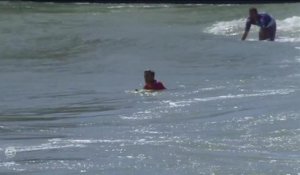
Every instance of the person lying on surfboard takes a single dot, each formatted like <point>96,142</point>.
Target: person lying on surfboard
<point>151,83</point>
<point>266,23</point>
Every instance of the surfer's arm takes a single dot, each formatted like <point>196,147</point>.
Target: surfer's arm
<point>247,29</point>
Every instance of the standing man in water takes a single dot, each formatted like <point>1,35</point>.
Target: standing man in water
<point>266,23</point>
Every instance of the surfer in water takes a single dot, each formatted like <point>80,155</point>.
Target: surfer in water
<point>151,83</point>
<point>266,23</point>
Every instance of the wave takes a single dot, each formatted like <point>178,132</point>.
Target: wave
<point>168,106</point>
<point>288,29</point>
<point>56,143</point>
<point>121,6</point>
<point>188,102</point>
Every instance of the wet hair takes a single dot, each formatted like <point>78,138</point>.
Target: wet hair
<point>149,72</point>
<point>253,9</point>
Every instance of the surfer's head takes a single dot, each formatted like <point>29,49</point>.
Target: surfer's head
<point>149,76</point>
<point>253,14</point>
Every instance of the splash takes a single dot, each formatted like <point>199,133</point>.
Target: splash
<point>227,28</point>
<point>10,152</point>
<point>291,24</point>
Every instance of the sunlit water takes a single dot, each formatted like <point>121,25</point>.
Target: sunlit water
<point>68,105</point>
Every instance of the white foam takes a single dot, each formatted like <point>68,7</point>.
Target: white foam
<point>167,106</point>
<point>177,104</point>
<point>288,39</point>
<point>289,29</point>
<point>291,24</point>
<point>227,28</point>
<point>12,166</point>
<point>141,115</point>
<point>235,96</point>
<point>182,103</point>
<point>10,152</point>
<point>193,5</point>
<point>90,141</point>
<point>52,144</point>
<point>121,6</point>
<point>213,88</point>
<point>136,142</point>
<point>262,93</point>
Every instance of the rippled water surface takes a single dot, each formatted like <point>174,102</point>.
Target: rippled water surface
<point>68,104</point>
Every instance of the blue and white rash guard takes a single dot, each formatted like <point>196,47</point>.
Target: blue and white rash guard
<point>265,21</point>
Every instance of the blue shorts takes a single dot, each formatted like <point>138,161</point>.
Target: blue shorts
<point>272,31</point>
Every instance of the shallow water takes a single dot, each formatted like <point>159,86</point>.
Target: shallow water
<point>68,105</point>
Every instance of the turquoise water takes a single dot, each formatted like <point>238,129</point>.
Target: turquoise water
<point>68,105</point>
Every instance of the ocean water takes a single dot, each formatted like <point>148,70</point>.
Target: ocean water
<point>68,105</point>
